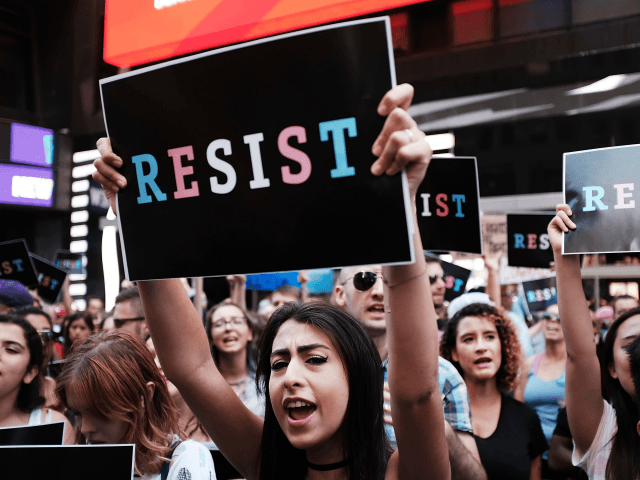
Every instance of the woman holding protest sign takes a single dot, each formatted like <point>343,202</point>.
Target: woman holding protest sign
<point>483,345</point>
<point>606,442</point>
<point>317,365</point>
<point>118,395</point>
<point>21,358</point>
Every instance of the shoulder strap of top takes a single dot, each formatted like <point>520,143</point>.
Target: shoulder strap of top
<point>164,473</point>
<point>36,417</point>
<point>536,363</point>
<point>47,419</point>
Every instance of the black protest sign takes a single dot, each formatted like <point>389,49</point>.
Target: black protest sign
<point>15,263</point>
<point>47,434</point>
<point>528,244</point>
<point>256,158</point>
<point>50,279</point>
<point>70,262</point>
<point>71,462</point>
<point>539,294</point>
<point>448,202</point>
<point>455,278</point>
<point>599,186</point>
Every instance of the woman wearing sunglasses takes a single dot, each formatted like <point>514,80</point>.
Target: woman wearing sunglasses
<point>543,378</point>
<point>320,371</point>
<point>231,334</point>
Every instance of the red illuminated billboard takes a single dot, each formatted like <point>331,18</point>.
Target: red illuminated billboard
<point>143,31</point>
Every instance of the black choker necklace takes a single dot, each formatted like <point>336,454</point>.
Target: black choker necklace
<point>328,466</point>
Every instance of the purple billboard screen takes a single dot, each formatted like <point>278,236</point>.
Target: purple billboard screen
<point>26,186</point>
<point>32,145</point>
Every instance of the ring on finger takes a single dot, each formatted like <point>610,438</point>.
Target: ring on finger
<point>410,134</point>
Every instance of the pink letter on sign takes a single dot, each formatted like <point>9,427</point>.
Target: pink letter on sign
<point>181,171</point>
<point>294,154</point>
<point>532,241</point>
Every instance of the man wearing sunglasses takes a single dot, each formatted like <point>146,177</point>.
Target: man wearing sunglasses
<point>358,291</point>
<point>128,315</point>
<point>438,287</point>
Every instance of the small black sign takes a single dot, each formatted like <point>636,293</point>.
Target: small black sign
<point>448,203</point>
<point>528,241</point>
<point>599,186</point>
<point>47,434</point>
<point>50,279</point>
<point>70,262</point>
<point>15,263</point>
<point>254,158</point>
<point>540,293</point>
<point>68,462</point>
<point>455,278</point>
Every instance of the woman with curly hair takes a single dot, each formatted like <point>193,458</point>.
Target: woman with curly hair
<point>483,346</point>
<point>118,395</point>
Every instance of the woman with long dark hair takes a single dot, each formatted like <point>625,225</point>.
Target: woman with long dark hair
<point>483,345</point>
<point>606,442</point>
<point>118,395</point>
<point>76,328</point>
<point>21,360</point>
<point>231,335</point>
<point>320,371</point>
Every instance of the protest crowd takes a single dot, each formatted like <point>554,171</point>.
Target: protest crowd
<point>156,373</point>
<point>401,370</point>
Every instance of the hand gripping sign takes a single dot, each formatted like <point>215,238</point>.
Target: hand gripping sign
<point>256,158</point>
<point>600,187</point>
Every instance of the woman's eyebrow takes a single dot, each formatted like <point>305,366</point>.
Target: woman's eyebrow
<point>300,349</point>
<point>11,342</point>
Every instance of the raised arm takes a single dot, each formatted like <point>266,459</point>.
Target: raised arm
<point>183,349</point>
<point>583,390</point>
<point>411,318</point>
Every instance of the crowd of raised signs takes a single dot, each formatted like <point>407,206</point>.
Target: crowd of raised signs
<point>505,377</point>
<point>537,385</point>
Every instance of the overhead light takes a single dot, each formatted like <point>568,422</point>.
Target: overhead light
<point>610,104</point>
<point>79,305</point>
<point>83,171</point>
<point>79,246</point>
<point>442,141</point>
<point>80,186</point>
<point>110,266</point>
<point>80,216</point>
<point>80,201</point>
<point>79,231</point>
<point>78,289</point>
<point>87,155</point>
<point>77,277</point>
<point>606,84</point>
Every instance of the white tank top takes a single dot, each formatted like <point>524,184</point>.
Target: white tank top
<point>36,417</point>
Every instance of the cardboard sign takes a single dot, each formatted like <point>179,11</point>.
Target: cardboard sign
<point>256,158</point>
<point>47,434</point>
<point>539,294</point>
<point>494,235</point>
<point>15,263</point>
<point>528,243</point>
<point>50,279</point>
<point>599,186</point>
<point>68,462</point>
<point>72,263</point>
<point>448,203</point>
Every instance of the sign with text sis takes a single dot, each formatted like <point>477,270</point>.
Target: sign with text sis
<point>600,187</point>
<point>15,263</point>
<point>448,203</point>
<point>256,158</point>
<point>50,279</point>
<point>528,244</point>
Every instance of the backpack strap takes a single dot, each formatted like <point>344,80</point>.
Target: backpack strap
<point>164,473</point>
